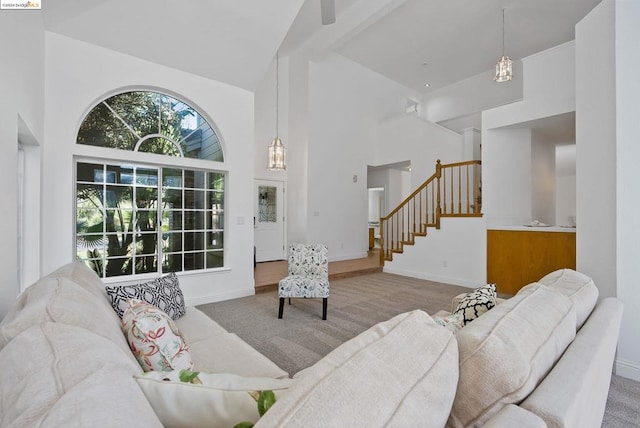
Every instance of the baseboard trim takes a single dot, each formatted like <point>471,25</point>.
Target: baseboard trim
<point>627,369</point>
<point>219,297</point>
<point>435,278</point>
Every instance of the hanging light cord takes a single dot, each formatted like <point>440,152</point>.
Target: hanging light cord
<point>278,88</point>
<point>503,32</point>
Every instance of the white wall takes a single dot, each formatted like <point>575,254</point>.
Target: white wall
<point>453,254</point>
<point>507,138</point>
<point>566,184</point>
<point>411,137</point>
<point>543,178</point>
<point>453,101</point>
<point>627,37</point>
<point>346,102</point>
<point>606,166</point>
<point>22,99</point>
<point>80,74</point>
<point>506,177</point>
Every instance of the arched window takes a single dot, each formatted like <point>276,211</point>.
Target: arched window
<point>135,217</point>
<point>150,122</point>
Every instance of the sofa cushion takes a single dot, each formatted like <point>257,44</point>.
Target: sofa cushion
<point>164,293</point>
<point>227,353</point>
<point>392,375</point>
<point>82,275</point>
<point>505,353</point>
<point>578,287</point>
<point>60,375</point>
<point>220,401</point>
<point>196,326</point>
<point>61,299</point>
<point>476,303</point>
<point>155,340</point>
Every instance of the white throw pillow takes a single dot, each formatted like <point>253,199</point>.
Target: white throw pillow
<point>154,338</point>
<point>221,400</point>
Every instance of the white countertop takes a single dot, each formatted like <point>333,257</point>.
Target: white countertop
<point>524,228</point>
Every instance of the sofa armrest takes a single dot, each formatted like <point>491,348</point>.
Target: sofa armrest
<point>514,416</point>
<point>456,300</point>
<point>575,392</point>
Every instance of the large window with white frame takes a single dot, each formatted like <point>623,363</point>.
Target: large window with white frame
<point>137,218</point>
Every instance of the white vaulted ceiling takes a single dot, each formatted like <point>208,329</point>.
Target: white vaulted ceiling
<point>234,41</point>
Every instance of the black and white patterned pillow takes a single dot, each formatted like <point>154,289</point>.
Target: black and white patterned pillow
<point>164,293</point>
<point>476,303</point>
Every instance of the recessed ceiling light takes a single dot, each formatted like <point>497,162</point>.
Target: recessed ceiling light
<point>426,85</point>
<point>425,63</point>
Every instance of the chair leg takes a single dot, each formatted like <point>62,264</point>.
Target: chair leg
<point>324,308</point>
<point>281,308</point>
<point>289,300</point>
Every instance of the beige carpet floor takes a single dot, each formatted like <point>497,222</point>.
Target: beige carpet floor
<point>301,338</point>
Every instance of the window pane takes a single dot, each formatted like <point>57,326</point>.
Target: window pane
<point>193,261</point>
<point>193,220</point>
<point>146,197</point>
<point>159,146</point>
<point>89,221</point>
<point>215,259</point>
<point>119,197</point>
<point>118,266</point>
<point>194,179</point>
<point>171,242</point>
<point>193,241</point>
<point>104,129</point>
<point>119,220</point>
<point>147,176</point>
<point>171,220</point>
<point>194,199</point>
<point>145,264</point>
<point>214,240</point>
<point>146,243</point>
<point>215,181</point>
<point>119,174</point>
<point>90,172</point>
<point>215,220</point>
<point>171,177</point>
<point>172,263</point>
<point>267,204</point>
<point>172,198</point>
<point>156,123</point>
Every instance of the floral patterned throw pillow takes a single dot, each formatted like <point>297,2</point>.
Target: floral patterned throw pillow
<point>154,338</point>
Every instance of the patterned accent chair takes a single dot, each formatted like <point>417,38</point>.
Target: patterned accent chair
<point>308,275</point>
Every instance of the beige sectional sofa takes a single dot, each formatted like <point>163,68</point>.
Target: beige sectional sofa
<point>66,361</point>
<point>541,358</point>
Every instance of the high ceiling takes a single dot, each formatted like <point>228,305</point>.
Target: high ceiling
<point>440,42</point>
<point>231,41</point>
<point>410,41</point>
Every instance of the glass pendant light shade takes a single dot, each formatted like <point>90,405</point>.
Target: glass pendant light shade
<point>504,70</point>
<point>504,66</point>
<point>277,160</point>
<point>277,156</point>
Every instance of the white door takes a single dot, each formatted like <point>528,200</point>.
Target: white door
<point>268,220</point>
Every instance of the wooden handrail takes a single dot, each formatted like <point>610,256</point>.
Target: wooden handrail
<point>444,194</point>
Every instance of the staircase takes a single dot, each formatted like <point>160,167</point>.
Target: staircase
<point>454,190</point>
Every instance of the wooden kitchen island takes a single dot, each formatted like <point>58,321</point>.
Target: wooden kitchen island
<point>519,255</point>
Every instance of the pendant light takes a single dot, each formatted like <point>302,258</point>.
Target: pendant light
<point>504,66</point>
<point>277,152</point>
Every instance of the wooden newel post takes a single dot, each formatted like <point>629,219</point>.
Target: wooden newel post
<point>438,209</point>
<point>382,243</point>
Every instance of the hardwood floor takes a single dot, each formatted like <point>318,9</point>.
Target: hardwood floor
<point>268,274</point>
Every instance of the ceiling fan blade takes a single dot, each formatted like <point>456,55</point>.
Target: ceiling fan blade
<point>328,11</point>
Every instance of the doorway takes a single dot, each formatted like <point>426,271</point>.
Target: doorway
<point>269,220</point>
